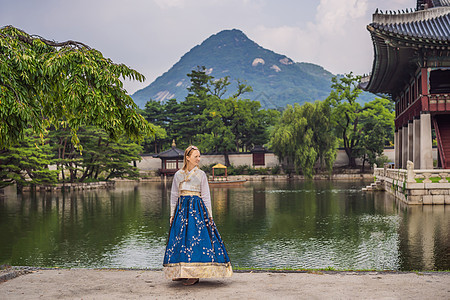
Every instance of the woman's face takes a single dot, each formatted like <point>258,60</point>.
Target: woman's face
<point>194,158</point>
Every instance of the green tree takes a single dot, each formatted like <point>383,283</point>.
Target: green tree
<point>325,140</point>
<point>207,119</point>
<point>189,114</point>
<point>102,159</point>
<point>352,120</point>
<point>377,128</point>
<point>292,139</point>
<point>346,112</point>
<point>217,135</point>
<point>44,83</point>
<point>27,163</point>
<point>302,139</point>
<point>233,123</point>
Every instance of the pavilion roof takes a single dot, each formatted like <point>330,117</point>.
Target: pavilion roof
<point>399,39</point>
<point>219,166</point>
<point>171,153</point>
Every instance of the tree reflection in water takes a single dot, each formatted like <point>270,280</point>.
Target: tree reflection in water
<point>293,224</point>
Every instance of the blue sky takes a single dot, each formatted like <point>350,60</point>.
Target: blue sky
<point>152,35</point>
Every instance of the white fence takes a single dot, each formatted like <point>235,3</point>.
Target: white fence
<point>415,186</point>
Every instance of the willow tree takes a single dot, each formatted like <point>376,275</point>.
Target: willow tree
<point>305,135</point>
<point>45,83</point>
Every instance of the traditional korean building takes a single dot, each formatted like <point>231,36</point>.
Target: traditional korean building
<point>171,160</point>
<point>412,66</point>
<point>259,156</point>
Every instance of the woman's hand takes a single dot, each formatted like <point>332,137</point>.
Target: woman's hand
<point>171,220</point>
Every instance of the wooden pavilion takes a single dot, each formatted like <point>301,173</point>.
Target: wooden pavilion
<point>171,160</point>
<point>215,176</point>
<point>412,66</point>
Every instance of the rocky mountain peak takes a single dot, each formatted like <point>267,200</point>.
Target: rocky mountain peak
<point>276,79</point>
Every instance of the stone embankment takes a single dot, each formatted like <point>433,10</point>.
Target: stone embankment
<point>413,186</point>
<point>111,184</point>
<point>73,186</point>
<point>350,176</point>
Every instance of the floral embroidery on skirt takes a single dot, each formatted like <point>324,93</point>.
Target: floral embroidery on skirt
<point>195,248</point>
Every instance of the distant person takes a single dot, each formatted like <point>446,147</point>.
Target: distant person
<point>194,248</point>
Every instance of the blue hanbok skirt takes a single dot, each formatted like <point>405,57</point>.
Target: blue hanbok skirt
<point>195,248</point>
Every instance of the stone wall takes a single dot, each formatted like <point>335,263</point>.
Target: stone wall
<point>148,163</point>
<point>419,193</point>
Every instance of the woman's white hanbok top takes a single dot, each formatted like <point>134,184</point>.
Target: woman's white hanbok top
<point>194,181</point>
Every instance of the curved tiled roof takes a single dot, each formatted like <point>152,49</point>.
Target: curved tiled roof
<point>441,3</point>
<point>171,153</point>
<point>399,39</point>
<point>437,29</point>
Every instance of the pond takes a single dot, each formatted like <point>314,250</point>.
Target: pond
<point>286,224</point>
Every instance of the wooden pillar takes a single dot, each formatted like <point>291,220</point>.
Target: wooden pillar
<point>424,88</point>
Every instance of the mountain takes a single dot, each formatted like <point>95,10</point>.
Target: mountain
<point>276,79</point>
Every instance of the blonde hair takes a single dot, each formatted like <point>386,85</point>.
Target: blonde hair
<point>188,152</point>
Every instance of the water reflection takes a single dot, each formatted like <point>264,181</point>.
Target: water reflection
<point>426,237</point>
<point>277,224</point>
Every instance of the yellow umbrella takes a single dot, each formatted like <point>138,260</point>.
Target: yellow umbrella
<point>219,166</point>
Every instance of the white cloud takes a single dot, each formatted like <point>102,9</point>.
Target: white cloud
<point>336,38</point>
<point>167,4</point>
<point>151,36</point>
<point>333,15</point>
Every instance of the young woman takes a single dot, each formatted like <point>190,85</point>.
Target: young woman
<point>194,249</point>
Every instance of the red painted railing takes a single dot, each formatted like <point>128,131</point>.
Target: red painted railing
<point>429,103</point>
<point>439,102</point>
<point>410,112</point>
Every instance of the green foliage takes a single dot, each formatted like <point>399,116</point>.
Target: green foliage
<point>205,119</point>
<point>305,135</point>
<point>376,131</point>
<point>102,158</point>
<point>363,130</point>
<point>381,160</point>
<point>68,84</point>
<point>276,170</point>
<point>433,179</point>
<point>26,163</point>
<point>242,170</point>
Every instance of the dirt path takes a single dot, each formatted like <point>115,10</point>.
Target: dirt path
<point>118,284</point>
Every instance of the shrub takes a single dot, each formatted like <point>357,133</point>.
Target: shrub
<point>381,160</point>
<point>275,170</point>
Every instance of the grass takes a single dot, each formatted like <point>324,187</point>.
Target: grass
<point>332,269</point>
<point>290,269</point>
<point>249,269</point>
<point>433,179</point>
